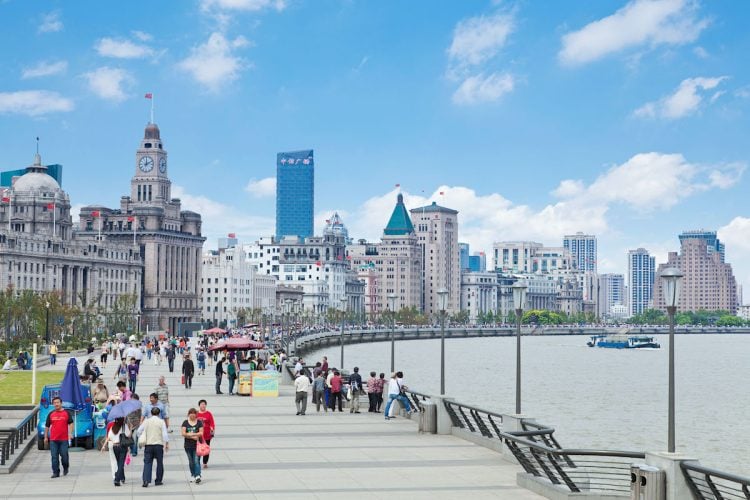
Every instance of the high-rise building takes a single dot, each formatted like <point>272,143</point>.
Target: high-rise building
<point>641,271</point>
<point>437,232</point>
<point>477,262</point>
<point>514,256</point>
<point>611,289</point>
<point>713,245</point>
<point>708,282</point>
<point>169,238</point>
<point>582,248</point>
<point>295,193</point>
<point>463,253</point>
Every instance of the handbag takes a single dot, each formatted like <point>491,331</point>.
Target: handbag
<point>202,448</point>
<point>126,441</point>
<point>182,379</point>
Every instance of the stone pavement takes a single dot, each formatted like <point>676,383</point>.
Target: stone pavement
<point>263,450</point>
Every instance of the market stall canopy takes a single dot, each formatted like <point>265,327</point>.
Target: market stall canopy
<point>215,330</point>
<point>236,344</point>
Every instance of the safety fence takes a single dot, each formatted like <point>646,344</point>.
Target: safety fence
<point>11,438</point>
<point>712,484</point>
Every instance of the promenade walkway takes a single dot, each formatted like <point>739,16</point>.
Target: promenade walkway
<point>263,450</point>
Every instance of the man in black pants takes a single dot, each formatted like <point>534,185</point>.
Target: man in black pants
<point>188,370</point>
<point>170,358</point>
<point>219,373</point>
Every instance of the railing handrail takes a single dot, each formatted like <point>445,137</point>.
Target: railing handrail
<point>475,408</point>
<point>695,466</point>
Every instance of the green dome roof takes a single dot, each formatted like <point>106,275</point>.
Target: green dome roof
<point>400,223</point>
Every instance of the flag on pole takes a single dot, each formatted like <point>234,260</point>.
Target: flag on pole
<point>232,235</point>
<point>398,185</point>
<point>6,199</point>
<point>131,218</point>
<point>442,193</point>
<point>50,206</point>
<point>149,96</point>
<point>95,213</point>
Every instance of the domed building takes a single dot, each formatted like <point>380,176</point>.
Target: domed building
<point>40,251</point>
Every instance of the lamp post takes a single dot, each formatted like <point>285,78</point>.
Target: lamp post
<point>672,283</point>
<point>46,324</point>
<point>519,299</point>
<point>443,295</point>
<point>285,312</point>
<point>343,318</point>
<point>392,305</point>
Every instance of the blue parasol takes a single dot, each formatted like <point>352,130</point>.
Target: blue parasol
<point>71,391</point>
<point>123,409</point>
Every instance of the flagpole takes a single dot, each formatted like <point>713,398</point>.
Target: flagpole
<point>100,227</point>
<point>10,209</point>
<point>152,108</point>
<point>134,229</point>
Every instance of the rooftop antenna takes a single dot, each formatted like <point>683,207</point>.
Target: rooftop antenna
<point>37,145</point>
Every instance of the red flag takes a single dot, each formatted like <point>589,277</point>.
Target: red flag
<point>328,221</point>
<point>95,213</point>
<point>50,206</point>
<point>149,96</point>
<point>348,257</point>
<point>131,218</point>
<point>398,185</point>
<point>231,235</point>
<point>6,199</point>
<point>318,263</point>
<point>442,193</point>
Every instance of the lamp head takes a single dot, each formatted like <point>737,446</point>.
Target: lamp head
<point>672,284</point>
<point>443,295</point>
<point>519,294</point>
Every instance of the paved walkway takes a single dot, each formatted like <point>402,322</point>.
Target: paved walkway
<point>263,450</point>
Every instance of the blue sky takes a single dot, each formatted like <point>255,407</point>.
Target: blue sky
<point>628,119</point>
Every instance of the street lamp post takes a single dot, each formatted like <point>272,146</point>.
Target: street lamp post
<point>343,318</point>
<point>287,308</point>
<point>672,283</point>
<point>46,324</point>
<point>392,305</point>
<point>443,295</point>
<point>519,298</point>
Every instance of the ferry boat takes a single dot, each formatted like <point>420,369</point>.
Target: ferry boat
<point>623,342</point>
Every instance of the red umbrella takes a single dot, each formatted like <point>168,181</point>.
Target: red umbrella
<point>214,330</point>
<point>236,344</point>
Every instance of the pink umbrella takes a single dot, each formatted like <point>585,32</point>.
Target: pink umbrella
<point>236,344</point>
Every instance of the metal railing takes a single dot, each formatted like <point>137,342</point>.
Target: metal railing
<point>712,484</point>
<point>539,453</point>
<point>15,436</point>
<point>414,399</point>
<point>487,423</point>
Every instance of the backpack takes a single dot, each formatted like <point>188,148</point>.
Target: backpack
<point>201,356</point>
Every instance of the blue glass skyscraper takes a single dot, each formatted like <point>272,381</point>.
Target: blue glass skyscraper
<point>295,192</point>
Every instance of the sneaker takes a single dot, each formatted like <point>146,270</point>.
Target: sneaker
<point>197,480</point>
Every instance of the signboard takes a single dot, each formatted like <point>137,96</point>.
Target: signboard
<point>245,380</point>
<point>265,384</point>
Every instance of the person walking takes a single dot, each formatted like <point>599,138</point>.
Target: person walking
<point>336,386</point>
<point>117,452</point>
<point>121,373</point>
<point>201,357</point>
<point>219,374</point>
<point>231,374</point>
<point>162,393</point>
<point>105,353</point>
<point>301,388</point>
<point>372,395</point>
<point>133,371</point>
<point>153,402</point>
<point>209,426</point>
<point>396,388</point>
<point>379,391</point>
<point>170,358</point>
<point>53,354</point>
<point>355,385</point>
<point>192,431</point>
<point>319,387</point>
<point>58,431</point>
<point>188,371</point>
<point>153,434</point>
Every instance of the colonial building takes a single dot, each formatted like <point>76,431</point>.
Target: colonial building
<point>40,251</point>
<point>479,294</point>
<point>168,238</point>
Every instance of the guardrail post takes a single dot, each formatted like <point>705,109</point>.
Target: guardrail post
<point>444,422</point>
<point>677,485</point>
<point>513,423</point>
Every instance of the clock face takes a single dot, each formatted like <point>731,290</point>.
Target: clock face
<point>163,165</point>
<point>146,164</point>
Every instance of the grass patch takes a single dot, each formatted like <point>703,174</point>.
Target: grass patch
<point>15,387</point>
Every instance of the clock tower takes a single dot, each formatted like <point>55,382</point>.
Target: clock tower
<point>150,184</point>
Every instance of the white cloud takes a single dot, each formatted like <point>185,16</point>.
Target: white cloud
<point>640,23</point>
<point>220,219</point>
<point>142,36</point>
<point>683,102</point>
<point>480,88</point>
<point>262,188</point>
<point>701,52</point>
<point>107,83</point>
<point>244,5</point>
<point>45,68</point>
<point>34,102</point>
<point>122,49</point>
<point>50,23</point>
<point>478,39</point>
<point>213,64</point>
<point>650,181</point>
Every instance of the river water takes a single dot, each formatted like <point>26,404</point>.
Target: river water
<point>594,397</point>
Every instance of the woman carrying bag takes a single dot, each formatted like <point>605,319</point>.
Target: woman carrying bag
<point>192,431</point>
<point>119,440</point>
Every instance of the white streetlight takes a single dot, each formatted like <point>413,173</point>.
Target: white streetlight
<point>392,305</point>
<point>343,301</point>
<point>443,296</point>
<point>519,300</point>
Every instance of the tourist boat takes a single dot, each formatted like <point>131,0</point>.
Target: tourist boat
<point>623,342</point>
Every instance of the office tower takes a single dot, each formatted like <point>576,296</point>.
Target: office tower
<point>295,192</point>
<point>463,252</point>
<point>582,248</point>
<point>641,269</point>
<point>611,293</point>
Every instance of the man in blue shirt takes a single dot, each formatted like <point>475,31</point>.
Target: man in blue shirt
<point>153,402</point>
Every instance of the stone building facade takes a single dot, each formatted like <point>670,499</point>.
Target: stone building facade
<point>41,251</point>
<point>168,238</point>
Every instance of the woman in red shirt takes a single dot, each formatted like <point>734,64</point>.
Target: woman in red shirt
<point>209,426</point>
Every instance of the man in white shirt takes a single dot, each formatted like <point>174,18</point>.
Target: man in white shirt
<point>132,353</point>
<point>301,388</point>
<point>153,433</point>
<point>298,366</point>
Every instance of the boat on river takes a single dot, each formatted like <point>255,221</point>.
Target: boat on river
<point>623,342</point>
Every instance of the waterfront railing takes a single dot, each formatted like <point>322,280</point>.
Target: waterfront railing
<point>11,438</point>
<point>709,484</point>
